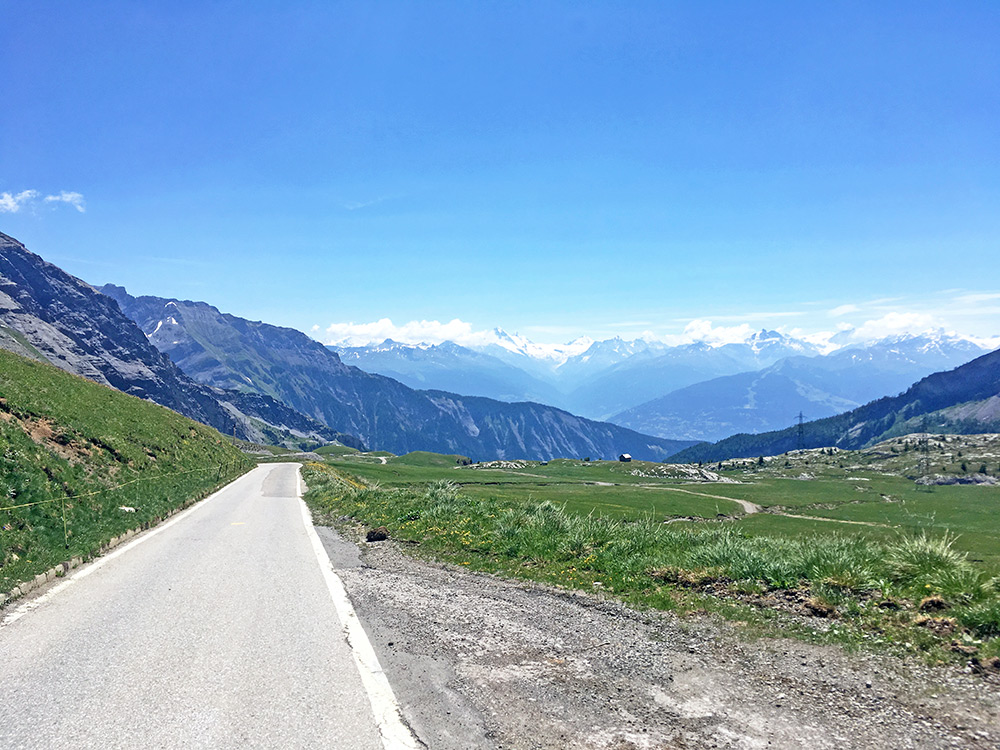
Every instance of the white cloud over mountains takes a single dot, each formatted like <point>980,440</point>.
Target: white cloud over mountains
<point>12,203</point>
<point>864,328</point>
<point>414,332</point>
<point>894,324</point>
<point>704,331</point>
<point>461,332</point>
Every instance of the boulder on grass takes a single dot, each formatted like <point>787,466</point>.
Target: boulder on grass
<point>377,535</point>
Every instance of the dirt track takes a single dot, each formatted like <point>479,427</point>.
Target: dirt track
<point>480,662</point>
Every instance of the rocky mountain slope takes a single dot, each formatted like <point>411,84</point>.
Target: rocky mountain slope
<point>960,400</point>
<point>819,387</point>
<point>226,351</point>
<point>50,315</point>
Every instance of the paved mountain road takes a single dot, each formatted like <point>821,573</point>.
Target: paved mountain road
<point>216,631</point>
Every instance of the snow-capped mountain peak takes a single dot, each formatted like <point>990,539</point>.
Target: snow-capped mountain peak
<point>555,354</point>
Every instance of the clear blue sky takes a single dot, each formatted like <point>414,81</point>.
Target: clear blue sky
<point>557,168</point>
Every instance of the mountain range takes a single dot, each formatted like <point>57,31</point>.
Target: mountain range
<point>225,351</point>
<point>593,378</point>
<point>278,385</point>
<point>817,386</point>
<point>49,315</point>
<point>691,391</point>
<point>964,400</point>
<point>270,384</point>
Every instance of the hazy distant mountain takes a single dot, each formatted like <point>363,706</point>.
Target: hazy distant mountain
<point>636,380</point>
<point>539,361</point>
<point>449,367</point>
<point>964,400</point>
<point>50,315</point>
<point>819,387</point>
<point>593,378</point>
<point>224,350</point>
<point>601,356</point>
<point>690,391</point>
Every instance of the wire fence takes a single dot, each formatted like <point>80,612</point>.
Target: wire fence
<point>223,469</point>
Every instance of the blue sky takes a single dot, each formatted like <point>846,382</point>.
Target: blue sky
<point>553,168</point>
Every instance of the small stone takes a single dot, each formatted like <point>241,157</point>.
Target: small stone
<point>377,535</point>
<point>933,603</point>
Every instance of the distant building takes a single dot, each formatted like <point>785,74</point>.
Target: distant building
<point>625,458</point>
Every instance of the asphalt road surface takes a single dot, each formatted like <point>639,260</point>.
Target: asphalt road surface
<point>217,629</point>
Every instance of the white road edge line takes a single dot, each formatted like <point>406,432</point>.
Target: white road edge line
<point>388,717</point>
<point>100,562</point>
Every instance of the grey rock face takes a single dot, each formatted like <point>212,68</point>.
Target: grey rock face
<point>48,314</point>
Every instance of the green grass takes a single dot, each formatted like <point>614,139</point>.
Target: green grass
<point>862,489</point>
<point>427,459</point>
<point>616,501</point>
<point>75,449</point>
<point>335,450</point>
<point>580,486</point>
<point>578,524</point>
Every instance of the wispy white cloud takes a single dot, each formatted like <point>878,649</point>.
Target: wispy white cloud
<point>358,205</point>
<point>975,298</point>
<point>73,199</point>
<point>895,323</point>
<point>844,310</point>
<point>973,314</point>
<point>12,203</point>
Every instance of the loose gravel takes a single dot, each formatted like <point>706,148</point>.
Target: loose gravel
<point>478,661</point>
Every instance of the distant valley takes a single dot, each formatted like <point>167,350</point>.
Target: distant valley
<point>965,400</point>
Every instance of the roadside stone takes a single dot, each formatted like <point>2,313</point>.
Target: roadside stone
<point>960,648</point>
<point>939,625</point>
<point>933,604</point>
<point>819,608</point>
<point>377,535</point>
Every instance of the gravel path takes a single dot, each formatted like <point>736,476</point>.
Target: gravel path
<point>481,662</point>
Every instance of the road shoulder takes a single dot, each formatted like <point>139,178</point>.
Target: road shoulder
<point>479,661</point>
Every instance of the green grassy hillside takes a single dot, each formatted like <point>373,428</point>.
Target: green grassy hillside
<point>81,463</point>
<point>960,400</point>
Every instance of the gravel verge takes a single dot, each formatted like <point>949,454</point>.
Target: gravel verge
<point>478,661</point>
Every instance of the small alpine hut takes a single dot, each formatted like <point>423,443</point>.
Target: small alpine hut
<point>625,458</point>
